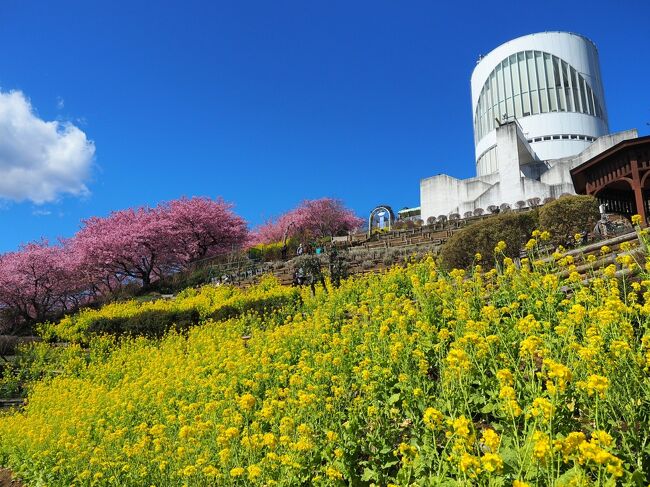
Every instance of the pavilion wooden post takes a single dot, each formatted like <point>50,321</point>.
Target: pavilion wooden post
<point>638,191</point>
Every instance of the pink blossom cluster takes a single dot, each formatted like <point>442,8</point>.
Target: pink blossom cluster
<point>137,245</point>
<point>312,219</point>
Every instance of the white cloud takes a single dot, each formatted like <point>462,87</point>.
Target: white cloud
<point>60,103</point>
<point>39,160</point>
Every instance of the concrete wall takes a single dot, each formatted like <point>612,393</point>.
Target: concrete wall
<point>442,195</point>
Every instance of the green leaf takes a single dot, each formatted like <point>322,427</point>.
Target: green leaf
<point>488,408</point>
<point>510,457</point>
<point>638,478</point>
<point>369,474</point>
<point>568,476</point>
<point>393,399</point>
<point>388,465</point>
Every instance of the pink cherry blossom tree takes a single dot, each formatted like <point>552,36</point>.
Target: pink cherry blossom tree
<point>35,281</point>
<point>202,227</point>
<point>93,275</point>
<point>144,244</point>
<point>327,217</point>
<point>133,244</point>
<point>312,219</point>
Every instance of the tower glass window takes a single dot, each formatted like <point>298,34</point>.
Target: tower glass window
<point>529,83</point>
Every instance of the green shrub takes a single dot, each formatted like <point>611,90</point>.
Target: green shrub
<point>182,280</point>
<point>565,217</point>
<point>481,237</point>
<point>151,323</point>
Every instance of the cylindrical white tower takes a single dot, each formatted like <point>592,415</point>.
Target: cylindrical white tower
<point>551,84</point>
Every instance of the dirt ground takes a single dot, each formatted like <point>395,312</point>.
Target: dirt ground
<point>5,479</point>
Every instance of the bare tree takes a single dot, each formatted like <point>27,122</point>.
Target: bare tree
<point>478,211</point>
<point>454,217</point>
<point>442,219</point>
<point>431,220</point>
<point>505,207</point>
<point>493,209</point>
<point>468,214</point>
<point>520,204</point>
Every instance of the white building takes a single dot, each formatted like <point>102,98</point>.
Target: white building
<point>539,110</point>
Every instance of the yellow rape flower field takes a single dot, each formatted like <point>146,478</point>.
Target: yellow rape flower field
<point>513,377</point>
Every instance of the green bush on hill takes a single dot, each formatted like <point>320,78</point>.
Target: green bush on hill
<point>565,217</point>
<point>151,323</point>
<point>481,237</point>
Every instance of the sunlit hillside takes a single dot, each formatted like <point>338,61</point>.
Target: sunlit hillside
<point>513,376</point>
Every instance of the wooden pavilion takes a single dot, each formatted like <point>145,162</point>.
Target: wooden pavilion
<point>618,177</point>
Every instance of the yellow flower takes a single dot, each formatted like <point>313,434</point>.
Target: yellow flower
<point>432,418</point>
<point>602,438</point>
<point>491,462</point>
<point>278,406</point>
<point>460,426</point>
<point>332,473</point>
<point>541,446</point>
<point>185,432</point>
<point>458,360</point>
<point>559,375</point>
<point>542,408</point>
<point>636,219</point>
<point>408,452</point>
<point>491,440</point>
<point>571,443</point>
<point>247,401</point>
<point>254,471</point>
<point>470,465</point>
<point>505,377</point>
<point>595,384</point>
<point>529,346</point>
<point>507,392</point>
<point>237,472</point>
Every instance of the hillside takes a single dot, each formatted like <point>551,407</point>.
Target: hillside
<point>515,376</point>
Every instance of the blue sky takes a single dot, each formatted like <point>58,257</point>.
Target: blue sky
<point>268,103</point>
